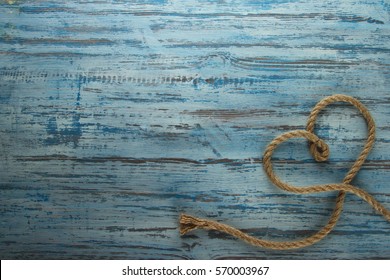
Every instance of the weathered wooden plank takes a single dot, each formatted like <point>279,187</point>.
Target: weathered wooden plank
<point>117,116</point>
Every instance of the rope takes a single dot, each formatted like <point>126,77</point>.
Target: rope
<point>320,151</point>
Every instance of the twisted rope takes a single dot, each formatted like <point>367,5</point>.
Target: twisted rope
<point>320,151</point>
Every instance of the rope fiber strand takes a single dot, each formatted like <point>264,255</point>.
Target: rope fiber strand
<point>320,152</point>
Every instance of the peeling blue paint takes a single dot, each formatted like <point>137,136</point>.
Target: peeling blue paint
<point>69,134</point>
<point>116,116</point>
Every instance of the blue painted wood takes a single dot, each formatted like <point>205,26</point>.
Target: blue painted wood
<point>117,116</point>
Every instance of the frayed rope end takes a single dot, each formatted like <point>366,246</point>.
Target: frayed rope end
<point>189,223</point>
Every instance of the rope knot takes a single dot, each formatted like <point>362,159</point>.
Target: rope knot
<point>319,150</point>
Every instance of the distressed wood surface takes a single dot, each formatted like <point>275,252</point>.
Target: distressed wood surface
<point>116,116</point>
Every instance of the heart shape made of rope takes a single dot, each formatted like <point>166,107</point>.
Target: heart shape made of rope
<point>320,151</point>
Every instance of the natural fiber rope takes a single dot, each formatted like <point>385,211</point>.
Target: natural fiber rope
<point>320,151</point>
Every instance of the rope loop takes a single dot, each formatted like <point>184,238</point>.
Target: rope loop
<point>320,152</point>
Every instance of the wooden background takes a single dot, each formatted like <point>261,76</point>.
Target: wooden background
<point>116,116</point>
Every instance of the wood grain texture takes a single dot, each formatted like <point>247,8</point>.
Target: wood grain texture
<point>116,116</point>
